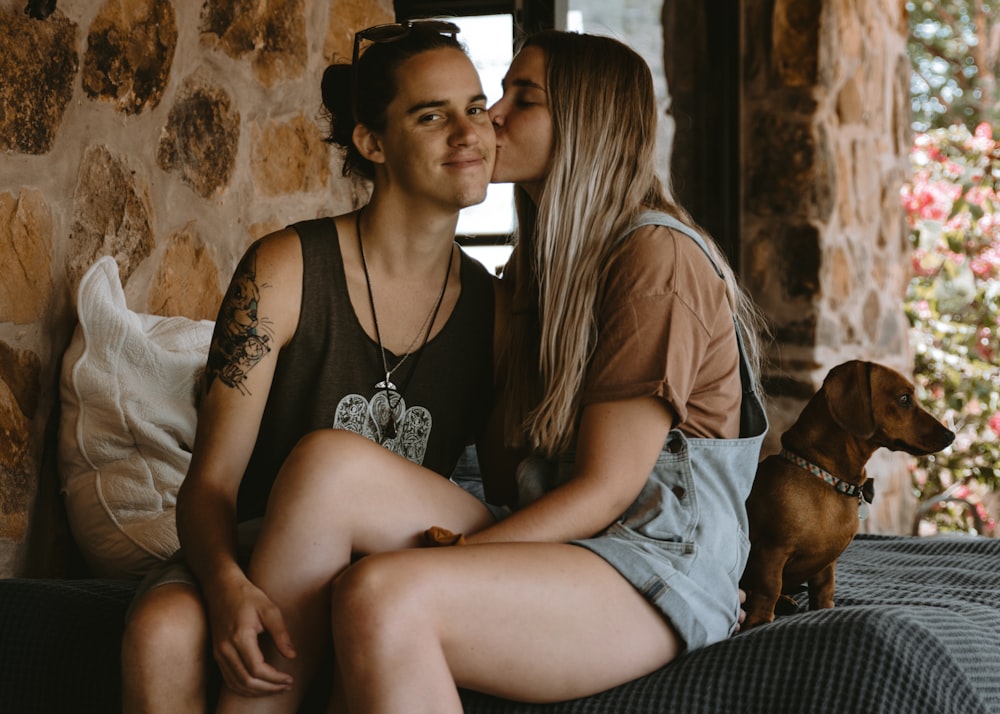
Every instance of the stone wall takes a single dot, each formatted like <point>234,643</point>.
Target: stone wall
<point>167,134</point>
<point>825,120</point>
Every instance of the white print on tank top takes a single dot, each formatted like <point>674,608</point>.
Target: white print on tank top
<point>386,421</point>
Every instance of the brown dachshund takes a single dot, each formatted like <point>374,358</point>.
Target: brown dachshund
<point>804,504</point>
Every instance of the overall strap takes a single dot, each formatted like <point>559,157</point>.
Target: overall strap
<point>658,218</point>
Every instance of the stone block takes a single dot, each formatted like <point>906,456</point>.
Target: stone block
<point>17,466</point>
<point>289,157</point>
<point>799,256</point>
<point>795,35</point>
<point>271,32</point>
<point>21,370</point>
<point>187,282</point>
<point>840,276</point>
<point>790,168</point>
<point>25,257</point>
<point>347,16</point>
<point>130,49</point>
<point>111,215</point>
<point>38,63</point>
<point>800,332</point>
<point>201,138</point>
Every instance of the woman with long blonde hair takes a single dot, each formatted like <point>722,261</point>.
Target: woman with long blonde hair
<point>601,176</point>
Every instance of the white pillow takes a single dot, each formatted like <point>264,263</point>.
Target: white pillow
<point>128,392</point>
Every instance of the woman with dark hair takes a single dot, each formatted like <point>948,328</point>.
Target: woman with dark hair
<point>631,383</point>
<point>369,327</point>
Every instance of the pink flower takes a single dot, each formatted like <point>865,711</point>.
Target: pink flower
<point>980,268</point>
<point>994,422</point>
<point>984,344</point>
<point>989,224</point>
<point>983,515</point>
<point>952,169</point>
<point>925,263</point>
<point>983,130</point>
<point>986,265</point>
<point>922,310</point>
<point>930,200</point>
<point>982,138</point>
<point>960,222</point>
<point>979,195</point>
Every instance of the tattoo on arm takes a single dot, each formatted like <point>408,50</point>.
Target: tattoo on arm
<point>241,339</point>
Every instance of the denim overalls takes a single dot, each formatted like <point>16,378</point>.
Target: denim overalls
<point>683,543</point>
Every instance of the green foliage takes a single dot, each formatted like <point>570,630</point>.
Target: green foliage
<point>955,62</point>
<point>953,303</point>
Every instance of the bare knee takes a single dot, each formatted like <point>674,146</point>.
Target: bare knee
<point>385,635</point>
<point>351,449</point>
<point>167,619</point>
<point>311,464</point>
<point>359,594</point>
<point>370,601</point>
<point>165,652</point>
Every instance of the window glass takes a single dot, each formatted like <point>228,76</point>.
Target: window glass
<point>638,25</point>
<point>490,41</point>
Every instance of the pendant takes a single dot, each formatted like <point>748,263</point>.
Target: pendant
<point>387,410</point>
<point>385,384</point>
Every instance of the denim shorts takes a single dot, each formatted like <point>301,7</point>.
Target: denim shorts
<point>684,542</point>
<point>466,475</point>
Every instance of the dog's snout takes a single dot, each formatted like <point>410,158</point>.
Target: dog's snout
<point>942,435</point>
<point>933,437</point>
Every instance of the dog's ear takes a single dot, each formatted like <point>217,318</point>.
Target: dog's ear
<point>849,397</point>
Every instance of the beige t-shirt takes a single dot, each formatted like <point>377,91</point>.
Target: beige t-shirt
<point>665,329</point>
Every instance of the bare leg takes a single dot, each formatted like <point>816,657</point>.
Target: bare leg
<point>337,703</point>
<point>527,621</point>
<point>339,496</point>
<point>165,652</point>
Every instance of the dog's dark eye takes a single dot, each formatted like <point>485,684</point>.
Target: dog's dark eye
<point>906,401</point>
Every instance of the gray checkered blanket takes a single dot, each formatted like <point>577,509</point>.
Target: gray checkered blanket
<point>916,630</point>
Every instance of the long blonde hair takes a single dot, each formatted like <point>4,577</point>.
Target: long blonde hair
<point>601,176</point>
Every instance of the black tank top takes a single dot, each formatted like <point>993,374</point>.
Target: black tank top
<point>326,374</point>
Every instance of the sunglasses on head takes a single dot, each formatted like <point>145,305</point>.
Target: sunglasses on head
<point>391,32</point>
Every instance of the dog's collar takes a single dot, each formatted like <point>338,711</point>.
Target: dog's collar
<point>839,485</point>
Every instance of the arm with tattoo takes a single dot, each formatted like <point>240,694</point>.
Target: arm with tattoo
<point>241,339</point>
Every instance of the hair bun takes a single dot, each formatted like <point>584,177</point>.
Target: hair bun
<point>336,89</point>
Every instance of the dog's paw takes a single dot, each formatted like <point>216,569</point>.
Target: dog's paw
<point>786,605</point>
